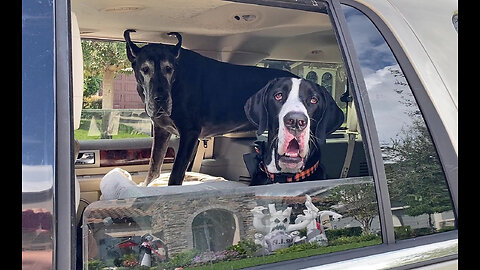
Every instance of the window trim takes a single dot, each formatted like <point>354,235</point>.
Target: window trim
<point>445,150</point>
<point>65,235</point>
<point>65,241</point>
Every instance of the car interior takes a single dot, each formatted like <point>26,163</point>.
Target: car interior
<point>230,32</point>
<point>301,41</point>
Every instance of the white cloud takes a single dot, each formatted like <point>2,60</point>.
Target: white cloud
<point>389,96</point>
<point>37,178</point>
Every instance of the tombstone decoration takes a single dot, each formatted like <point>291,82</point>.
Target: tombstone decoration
<point>275,231</point>
<point>315,229</point>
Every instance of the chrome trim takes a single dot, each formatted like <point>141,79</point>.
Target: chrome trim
<point>396,258</point>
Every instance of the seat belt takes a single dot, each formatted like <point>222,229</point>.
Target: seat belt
<point>352,133</point>
<point>205,151</point>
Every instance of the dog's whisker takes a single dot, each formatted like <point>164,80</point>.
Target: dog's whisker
<point>313,139</point>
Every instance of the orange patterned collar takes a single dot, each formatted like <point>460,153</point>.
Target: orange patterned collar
<point>291,177</point>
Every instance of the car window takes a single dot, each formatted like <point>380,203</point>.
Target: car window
<point>224,223</point>
<point>111,109</point>
<point>419,195</point>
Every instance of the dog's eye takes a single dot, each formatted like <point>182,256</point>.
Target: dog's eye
<point>314,100</point>
<point>285,220</point>
<point>277,220</point>
<point>168,69</point>
<point>145,70</point>
<point>278,96</point>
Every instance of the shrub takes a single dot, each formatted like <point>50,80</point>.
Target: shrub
<point>403,232</point>
<point>353,239</point>
<point>215,256</point>
<point>333,234</point>
<point>423,231</point>
<point>95,264</point>
<point>296,248</point>
<point>246,248</point>
<point>182,259</point>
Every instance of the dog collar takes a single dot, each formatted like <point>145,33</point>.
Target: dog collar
<point>289,177</point>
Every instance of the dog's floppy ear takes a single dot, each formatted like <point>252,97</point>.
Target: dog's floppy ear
<point>132,49</point>
<point>331,119</point>
<point>176,49</point>
<point>256,108</point>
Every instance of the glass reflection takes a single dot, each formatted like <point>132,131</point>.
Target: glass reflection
<point>418,192</point>
<point>231,227</point>
<point>38,134</point>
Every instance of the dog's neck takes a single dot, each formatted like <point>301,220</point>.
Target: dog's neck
<point>312,166</point>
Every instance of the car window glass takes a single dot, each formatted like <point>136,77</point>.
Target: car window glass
<point>418,191</point>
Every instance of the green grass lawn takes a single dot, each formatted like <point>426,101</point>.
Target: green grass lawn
<point>249,262</point>
<point>81,134</point>
<point>124,131</point>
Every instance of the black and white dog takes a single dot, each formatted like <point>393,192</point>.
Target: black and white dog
<point>299,115</point>
<point>192,96</point>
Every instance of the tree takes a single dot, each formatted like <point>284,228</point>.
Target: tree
<point>414,175</point>
<point>102,60</point>
<point>358,201</point>
<point>416,178</point>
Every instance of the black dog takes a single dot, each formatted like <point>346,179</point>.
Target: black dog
<point>298,115</point>
<point>191,96</point>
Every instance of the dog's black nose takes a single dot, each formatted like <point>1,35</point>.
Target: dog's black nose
<point>295,121</point>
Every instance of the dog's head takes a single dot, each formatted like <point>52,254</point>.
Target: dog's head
<point>298,114</point>
<point>155,67</point>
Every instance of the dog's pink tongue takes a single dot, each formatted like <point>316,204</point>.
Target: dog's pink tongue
<point>292,148</point>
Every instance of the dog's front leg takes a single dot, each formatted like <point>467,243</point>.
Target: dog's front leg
<point>159,149</point>
<point>186,149</point>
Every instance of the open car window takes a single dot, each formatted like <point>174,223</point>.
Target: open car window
<point>223,220</point>
<point>219,221</point>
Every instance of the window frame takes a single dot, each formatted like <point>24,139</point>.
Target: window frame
<point>65,242</point>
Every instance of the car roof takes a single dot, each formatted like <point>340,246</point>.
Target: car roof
<point>231,32</point>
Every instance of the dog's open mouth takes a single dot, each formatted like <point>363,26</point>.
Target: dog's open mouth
<point>292,153</point>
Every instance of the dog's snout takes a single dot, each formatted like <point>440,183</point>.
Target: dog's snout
<point>295,121</point>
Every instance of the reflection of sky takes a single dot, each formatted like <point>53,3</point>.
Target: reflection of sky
<point>43,176</point>
<point>388,91</point>
<point>38,98</point>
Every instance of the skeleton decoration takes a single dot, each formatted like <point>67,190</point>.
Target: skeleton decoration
<point>275,231</point>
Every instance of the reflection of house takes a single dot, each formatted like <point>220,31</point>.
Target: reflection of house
<point>211,220</point>
<point>125,94</point>
<point>182,222</point>
<point>329,75</point>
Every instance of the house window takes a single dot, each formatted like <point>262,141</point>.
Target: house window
<point>312,76</point>
<point>327,81</point>
<point>417,186</point>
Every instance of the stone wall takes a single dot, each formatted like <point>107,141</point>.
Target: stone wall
<point>173,218</point>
